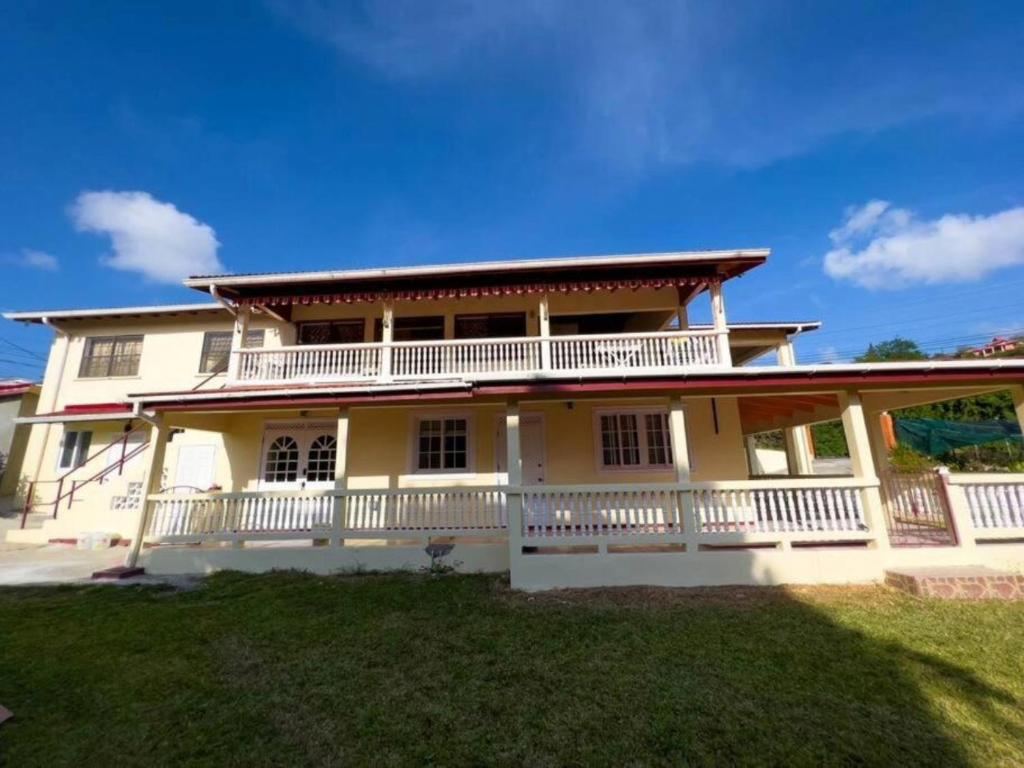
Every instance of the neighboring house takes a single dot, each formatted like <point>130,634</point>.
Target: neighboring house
<point>998,345</point>
<point>18,398</point>
<point>561,419</point>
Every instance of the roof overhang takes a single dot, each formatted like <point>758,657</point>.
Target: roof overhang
<point>81,413</point>
<point>166,310</point>
<point>722,382</point>
<point>692,270</point>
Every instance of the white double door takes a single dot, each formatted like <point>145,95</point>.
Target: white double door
<point>299,456</point>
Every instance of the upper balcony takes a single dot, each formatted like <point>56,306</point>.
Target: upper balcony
<point>579,317</point>
<point>484,359</point>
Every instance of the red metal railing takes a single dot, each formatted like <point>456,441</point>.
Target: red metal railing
<point>76,485</point>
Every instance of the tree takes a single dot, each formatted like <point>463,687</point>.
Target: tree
<point>892,350</point>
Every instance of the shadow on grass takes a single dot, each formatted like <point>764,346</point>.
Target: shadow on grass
<point>289,669</point>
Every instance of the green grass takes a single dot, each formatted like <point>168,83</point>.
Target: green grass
<point>291,669</point>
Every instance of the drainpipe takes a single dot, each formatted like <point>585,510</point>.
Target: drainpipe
<point>221,300</point>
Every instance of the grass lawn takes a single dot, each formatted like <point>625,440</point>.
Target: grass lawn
<point>292,669</point>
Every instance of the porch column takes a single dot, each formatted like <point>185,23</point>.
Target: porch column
<point>1018,405</point>
<point>544,322</point>
<point>387,335</point>
<point>785,353</point>
<point>720,325</point>
<point>681,463</point>
<point>238,336</point>
<point>798,451</point>
<point>152,481</point>
<point>514,493</point>
<point>682,315</point>
<point>340,477</point>
<point>859,444</point>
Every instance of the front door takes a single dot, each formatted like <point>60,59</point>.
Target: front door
<point>298,457</point>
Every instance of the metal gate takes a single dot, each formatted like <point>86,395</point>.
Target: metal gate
<point>916,510</point>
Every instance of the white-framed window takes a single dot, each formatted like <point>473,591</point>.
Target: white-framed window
<point>635,438</point>
<point>442,444</point>
<point>74,449</point>
<point>217,349</point>
<point>109,356</point>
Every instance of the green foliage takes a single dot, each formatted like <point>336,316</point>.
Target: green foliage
<point>892,350</point>
<point>905,459</point>
<point>829,440</point>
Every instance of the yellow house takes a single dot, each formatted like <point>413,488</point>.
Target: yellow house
<point>561,419</point>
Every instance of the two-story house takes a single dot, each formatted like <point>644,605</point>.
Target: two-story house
<point>561,419</point>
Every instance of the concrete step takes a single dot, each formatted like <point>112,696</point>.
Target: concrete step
<point>958,582</point>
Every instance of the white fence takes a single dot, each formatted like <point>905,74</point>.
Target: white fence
<point>481,358</point>
<point>406,513</point>
<point>785,506</point>
<point>737,512</point>
<point>995,502</point>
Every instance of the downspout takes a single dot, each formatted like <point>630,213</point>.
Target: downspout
<point>221,300</point>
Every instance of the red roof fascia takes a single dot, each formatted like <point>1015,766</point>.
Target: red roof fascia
<point>88,409</point>
<point>15,389</point>
<point>462,292</point>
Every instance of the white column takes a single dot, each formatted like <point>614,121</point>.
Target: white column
<point>798,451</point>
<point>720,325</point>
<point>152,481</point>
<point>544,323</point>
<point>681,463</point>
<point>514,496</point>
<point>340,477</point>
<point>387,335</point>
<point>682,315</point>
<point>785,353</point>
<point>857,441</point>
<point>238,336</point>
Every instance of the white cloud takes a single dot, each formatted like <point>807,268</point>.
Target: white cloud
<point>148,236</point>
<point>665,82</point>
<point>38,260</point>
<point>878,246</point>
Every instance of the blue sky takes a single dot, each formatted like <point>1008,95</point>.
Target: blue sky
<point>875,147</point>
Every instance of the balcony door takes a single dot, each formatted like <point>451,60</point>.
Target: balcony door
<point>298,456</point>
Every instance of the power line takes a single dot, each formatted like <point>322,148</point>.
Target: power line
<point>10,343</point>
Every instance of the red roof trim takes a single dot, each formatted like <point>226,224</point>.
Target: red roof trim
<point>15,389</point>
<point>462,292</point>
<point>89,409</point>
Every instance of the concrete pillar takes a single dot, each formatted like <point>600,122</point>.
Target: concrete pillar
<point>340,476</point>
<point>387,336</point>
<point>785,353</point>
<point>681,463</point>
<point>798,451</point>
<point>152,481</point>
<point>544,325</point>
<point>238,336</point>
<point>720,324</point>
<point>859,444</point>
<point>513,491</point>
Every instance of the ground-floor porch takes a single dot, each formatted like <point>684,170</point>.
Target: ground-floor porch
<point>571,489</point>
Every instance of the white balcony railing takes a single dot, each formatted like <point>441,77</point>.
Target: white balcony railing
<point>533,356</point>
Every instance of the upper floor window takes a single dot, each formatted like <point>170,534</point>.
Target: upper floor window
<point>74,450</point>
<point>332,332</point>
<point>430,328</point>
<point>635,439</point>
<point>217,349</point>
<point>111,356</point>
<point>442,444</point>
<point>494,326</point>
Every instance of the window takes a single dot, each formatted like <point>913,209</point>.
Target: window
<point>74,450</point>
<point>323,452</point>
<point>412,329</point>
<point>634,439</point>
<point>442,445</point>
<point>111,356</point>
<point>217,349</point>
<point>497,326</point>
<point>332,332</point>
<point>282,465</point>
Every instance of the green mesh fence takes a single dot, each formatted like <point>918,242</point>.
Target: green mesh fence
<point>935,437</point>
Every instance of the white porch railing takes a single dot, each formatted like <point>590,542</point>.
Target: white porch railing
<point>482,358</point>
<point>404,513</point>
<point>995,502</point>
<point>551,512</point>
<point>804,506</point>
